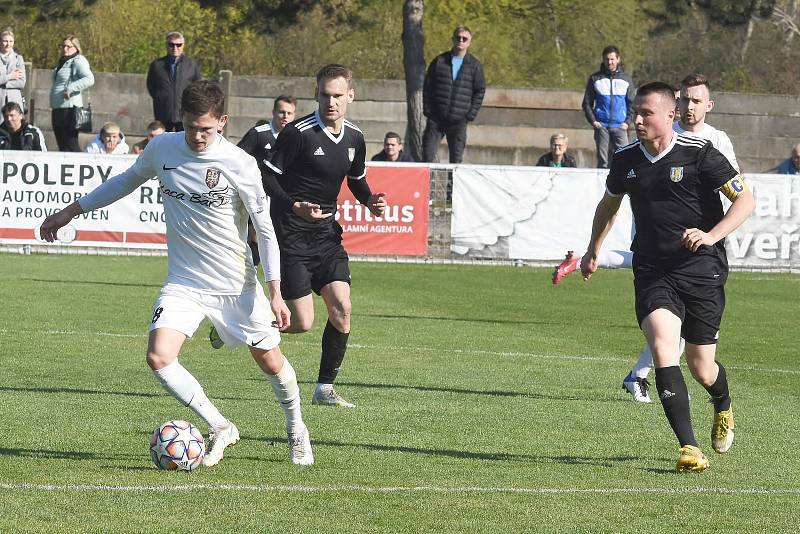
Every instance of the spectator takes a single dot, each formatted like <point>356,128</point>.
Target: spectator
<point>167,78</point>
<point>608,105</point>
<point>110,140</point>
<point>153,129</point>
<point>557,157</point>
<point>71,76</point>
<point>16,134</point>
<point>791,165</point>
<point>12,71</point>
<point>392,150</point>
<point>451,97</point>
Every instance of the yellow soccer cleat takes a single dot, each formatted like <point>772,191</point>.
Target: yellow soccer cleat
<point>722,431</point>
<point>691,459</point>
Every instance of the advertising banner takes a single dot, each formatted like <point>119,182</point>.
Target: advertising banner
<point>403,228</point>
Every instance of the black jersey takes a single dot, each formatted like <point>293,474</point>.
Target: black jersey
<point>259,141</point>
<point>311,163</point>
<point>673,191</point>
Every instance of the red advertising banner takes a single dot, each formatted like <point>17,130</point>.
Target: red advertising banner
<point>403,228</point>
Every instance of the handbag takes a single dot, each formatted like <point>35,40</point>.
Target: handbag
<point>81,118</point>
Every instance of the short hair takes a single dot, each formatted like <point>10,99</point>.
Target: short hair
<point>335,70</point>
<point>662,88</point>
<point>156,125</point>
<point>393,135</point>
<point>557,136</point>
<point>289,99</point>
<point>75,42</point>
<point>11,106</point>
<point>109,127</point>
<point>5,32</point>
<point>694,79</point>
<point>610,49</point>
<point>462,28</point>
<point>203,96</point>
<point>173,35</point>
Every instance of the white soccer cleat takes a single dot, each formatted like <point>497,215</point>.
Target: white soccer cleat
<point>330,398</point>
<point>639,388</point>
<point>300,447</point>
<point>217,441</point>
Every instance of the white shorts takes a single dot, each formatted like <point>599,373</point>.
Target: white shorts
<point>245,318</point>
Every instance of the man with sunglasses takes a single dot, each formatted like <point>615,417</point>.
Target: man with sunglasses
<point>167,77</point>
<point>451,97</point>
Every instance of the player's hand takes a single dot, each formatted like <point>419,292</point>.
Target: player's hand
<point>49,229</point>
<point>694,238</point>
<point>588,265</point>
<point>281,312</point>
<point>377,203</point>
<point>309,211</point>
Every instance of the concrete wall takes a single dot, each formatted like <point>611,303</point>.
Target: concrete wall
<point>513,127</point>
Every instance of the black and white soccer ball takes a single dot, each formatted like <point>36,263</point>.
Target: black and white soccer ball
<point>177,445</point>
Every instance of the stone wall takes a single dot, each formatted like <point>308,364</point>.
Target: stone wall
<point>512,128</point>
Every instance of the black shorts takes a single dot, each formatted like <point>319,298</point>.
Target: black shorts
<point>312,260</point>
<point>699,306</point>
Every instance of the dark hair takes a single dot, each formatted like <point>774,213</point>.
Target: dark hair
<point>11,106</point>
<point>335,70</point>
<point>662,88</point>
<point>156,125</point>
<point>201,97</point>
<point>392,135</point>
<point>694,79</point>
<point>289,99</point>
<point>460,29</point>
<point>609,49</point>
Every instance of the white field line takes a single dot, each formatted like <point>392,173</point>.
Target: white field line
<point>511,354</point>
<point>259,488</point>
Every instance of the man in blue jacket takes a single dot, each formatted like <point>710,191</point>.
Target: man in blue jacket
<point>451,97</point>
<point>608,105</point>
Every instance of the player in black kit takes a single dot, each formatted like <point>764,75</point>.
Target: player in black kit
<point>679,260</point>
<point>312,156</point>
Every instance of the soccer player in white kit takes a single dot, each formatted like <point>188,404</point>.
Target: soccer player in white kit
<point>209,188</point>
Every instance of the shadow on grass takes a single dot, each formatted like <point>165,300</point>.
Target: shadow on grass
<point>625,326</point>
<point>64,455</point>
<point>82,391</point>
<point>91,282</point>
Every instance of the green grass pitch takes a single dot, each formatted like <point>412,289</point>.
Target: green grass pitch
<point>487,399</point>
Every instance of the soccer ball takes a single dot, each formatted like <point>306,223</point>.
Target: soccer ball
<point>177,445</point>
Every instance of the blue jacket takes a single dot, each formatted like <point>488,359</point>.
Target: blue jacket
<point>609,98</point>
<point>787,167</point>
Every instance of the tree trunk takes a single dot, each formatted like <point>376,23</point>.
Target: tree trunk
<point>414,66</point>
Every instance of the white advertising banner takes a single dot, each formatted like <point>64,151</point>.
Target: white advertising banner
<point>535,213</point>
<point>35,184</point>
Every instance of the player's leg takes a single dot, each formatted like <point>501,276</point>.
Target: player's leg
<point>302,310</point>
<point>336,295</point>
<point>704,308</point>
<point>636,382</point>
<point>283,380</point>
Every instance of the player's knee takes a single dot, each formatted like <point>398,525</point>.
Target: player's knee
<point>299,324</point>
<point>156,361</point>
<point>340,315</point>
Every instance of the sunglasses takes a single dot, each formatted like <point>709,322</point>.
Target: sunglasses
<point>461,38</point>
<point>174,45</point>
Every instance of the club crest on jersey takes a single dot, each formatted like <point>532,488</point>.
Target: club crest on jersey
<point>351,153</point>
<point>676,174</point>
<point>212,177</point>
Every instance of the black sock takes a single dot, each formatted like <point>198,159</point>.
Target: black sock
<point>720,395</point>
<point>675,401</point>
<point>334,343</point>
<point>254,250</point>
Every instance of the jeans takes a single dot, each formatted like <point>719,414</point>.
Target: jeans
<point>618,138</point>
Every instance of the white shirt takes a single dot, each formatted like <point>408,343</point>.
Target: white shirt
<point>207,198</point>
<point>718,138</point>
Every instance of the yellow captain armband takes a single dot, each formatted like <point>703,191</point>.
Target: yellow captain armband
<point>734,187</point>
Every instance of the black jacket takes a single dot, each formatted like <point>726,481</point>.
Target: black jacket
<point>26,138</point>
<point>547,161</point>
<point>451,101</point>
<point>165,92</point>
<point>404,157</point>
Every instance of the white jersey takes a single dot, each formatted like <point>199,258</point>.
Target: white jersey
<point>207,198</point>
<point>718,138</point>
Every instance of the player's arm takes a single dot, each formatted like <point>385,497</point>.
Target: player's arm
<point>742,205</point>
<point>106,193</point>
<point>603,220</point>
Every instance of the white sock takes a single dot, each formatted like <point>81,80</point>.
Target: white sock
<point>323,389</point>
<point>644,364</point>
<point>287,392</point>
<point>185,387</point>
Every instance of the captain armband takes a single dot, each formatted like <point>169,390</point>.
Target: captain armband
<point>734,187</point>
